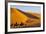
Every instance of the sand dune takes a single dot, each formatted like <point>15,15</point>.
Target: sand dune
<point>20,19</point>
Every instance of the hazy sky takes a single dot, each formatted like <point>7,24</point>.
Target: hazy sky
<point>29,8</point>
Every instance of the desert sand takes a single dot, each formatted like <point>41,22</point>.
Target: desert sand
<point>20,19</point>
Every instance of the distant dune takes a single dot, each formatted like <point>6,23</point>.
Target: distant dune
<point>20,19</point>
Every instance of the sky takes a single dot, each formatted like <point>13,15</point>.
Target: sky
<point>29,8</point>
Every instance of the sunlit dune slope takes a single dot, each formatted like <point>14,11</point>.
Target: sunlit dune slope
<point>17,16</point>
<point>24,19</point>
